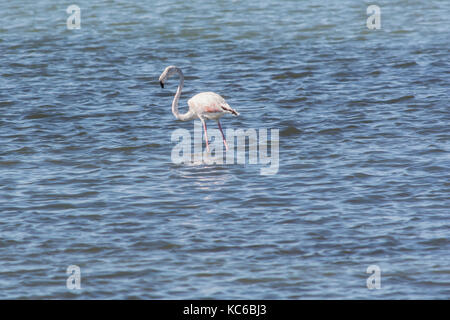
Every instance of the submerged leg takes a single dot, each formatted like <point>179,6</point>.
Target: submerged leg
<point>206,134</point>
<point>223,136</point>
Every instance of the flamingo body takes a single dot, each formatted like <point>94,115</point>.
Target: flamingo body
<point>210,105</point>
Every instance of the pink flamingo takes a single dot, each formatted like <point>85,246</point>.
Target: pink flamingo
<point>205,105</point>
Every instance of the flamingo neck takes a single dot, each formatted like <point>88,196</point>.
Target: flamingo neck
<point>188,115</point>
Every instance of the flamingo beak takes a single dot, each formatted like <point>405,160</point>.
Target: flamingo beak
<point>162,84</point>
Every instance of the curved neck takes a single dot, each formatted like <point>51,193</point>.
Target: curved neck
<point>188,115</point>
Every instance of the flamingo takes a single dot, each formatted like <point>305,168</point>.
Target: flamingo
<point>204,105</point>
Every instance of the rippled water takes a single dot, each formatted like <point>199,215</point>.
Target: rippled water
<point>86,176</point>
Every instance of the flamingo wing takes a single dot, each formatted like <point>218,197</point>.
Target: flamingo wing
<point>210,105</point>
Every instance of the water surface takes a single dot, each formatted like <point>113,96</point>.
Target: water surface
<point>86,176</point>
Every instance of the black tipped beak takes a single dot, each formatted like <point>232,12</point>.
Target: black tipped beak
<point>162,84</point>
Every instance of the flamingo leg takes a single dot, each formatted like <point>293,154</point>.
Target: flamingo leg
<point>206,134</point>
<point>223,136</point>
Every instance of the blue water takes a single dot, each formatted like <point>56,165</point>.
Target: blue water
<point>87,179</point>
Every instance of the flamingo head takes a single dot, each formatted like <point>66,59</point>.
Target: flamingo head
<point>169,71</point>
